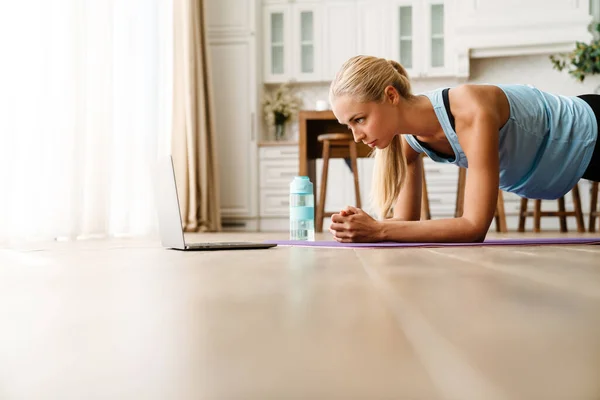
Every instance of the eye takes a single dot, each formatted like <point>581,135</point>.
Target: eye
<point>359,120</point>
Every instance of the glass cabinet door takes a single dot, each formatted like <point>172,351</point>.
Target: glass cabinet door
<point>437,35</point>
<point>277,43</point>
<point>307,45</point>
<point>405,18</point>
<point>306,41</point>
<point>291,42</point>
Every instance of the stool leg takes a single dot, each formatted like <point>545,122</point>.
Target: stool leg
<point>561,215</point>
<point>460,192</point>
<point>500,214</point>
<point>577,207</point>
<point>537,215</point>
<point>353,159</point>
<point>522,214</point>
<point>323,191</point>
<point>593,207</point>
<point>425,210</point>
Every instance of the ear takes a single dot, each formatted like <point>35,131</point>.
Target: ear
<point>391,94</point>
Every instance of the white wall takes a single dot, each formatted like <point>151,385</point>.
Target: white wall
<point>534,70</point>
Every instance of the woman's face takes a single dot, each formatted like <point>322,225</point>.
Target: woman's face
<point>372,123</point>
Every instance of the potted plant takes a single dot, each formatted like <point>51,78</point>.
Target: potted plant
<point>582,61</point>
<point>279,107</point>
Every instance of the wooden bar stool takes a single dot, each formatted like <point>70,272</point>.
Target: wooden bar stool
<point>335,145</point>
<point>537,213</point>
<point>593,208</point>
<point>499,215</point>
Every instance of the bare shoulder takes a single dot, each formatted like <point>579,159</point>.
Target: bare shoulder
<point>472,101</point>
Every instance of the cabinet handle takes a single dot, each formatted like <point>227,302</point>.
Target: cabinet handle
<point>286,174</point>
<point>288,152</point>
<point>285,203</point>
<point>252,127</point>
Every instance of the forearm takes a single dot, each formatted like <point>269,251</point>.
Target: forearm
<point>438,230</point>
<point>408,203</point>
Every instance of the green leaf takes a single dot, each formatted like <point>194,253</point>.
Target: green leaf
<point>583,60</point>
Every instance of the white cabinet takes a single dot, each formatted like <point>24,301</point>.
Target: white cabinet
<point>442,182</point>
<point>309,41</point>
<point>230,17</point>
<point>421,39</point>
<point>373,29</point>
<point>231,44</point>
<point>278,165</point>
<point>292,42</point>
<point>339,35</point>
<point>306,43</point>
<point>277,43</point>
<point>489,28</point>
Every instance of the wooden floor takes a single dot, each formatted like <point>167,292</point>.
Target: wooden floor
<point>126,319</point>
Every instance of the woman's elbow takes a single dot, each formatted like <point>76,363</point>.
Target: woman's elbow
<point>476,231</point>
<point>480,238</point>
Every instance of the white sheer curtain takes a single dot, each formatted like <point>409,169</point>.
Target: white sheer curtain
<point>85,109</point>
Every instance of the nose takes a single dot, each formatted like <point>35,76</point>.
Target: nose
<point>358,135</point>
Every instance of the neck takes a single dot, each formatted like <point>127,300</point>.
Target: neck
<point>417,117</point>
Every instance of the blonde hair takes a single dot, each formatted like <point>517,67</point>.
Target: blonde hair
<point>364,78</point>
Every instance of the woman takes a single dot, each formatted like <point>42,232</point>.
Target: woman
<point>513,137</point>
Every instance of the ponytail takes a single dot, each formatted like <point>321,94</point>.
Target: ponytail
<point>388,177</point>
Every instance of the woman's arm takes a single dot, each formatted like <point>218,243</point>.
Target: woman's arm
<point>478,129</point>
<point>408,204</point>
<point>479,140</point>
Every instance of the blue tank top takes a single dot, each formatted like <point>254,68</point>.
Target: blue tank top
<point>545,146</point>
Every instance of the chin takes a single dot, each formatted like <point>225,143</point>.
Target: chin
<point>380,145</point>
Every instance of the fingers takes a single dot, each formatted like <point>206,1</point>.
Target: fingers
<point>337,218</point>
<point>353,210</point>
<point>340,236</point>
<point>340,240</point>
<point>343,215</point>
<point>337,227</point>
<point>341,233</point>
<point>349,210</point>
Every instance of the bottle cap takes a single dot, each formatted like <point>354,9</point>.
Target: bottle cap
<point>301,185</point>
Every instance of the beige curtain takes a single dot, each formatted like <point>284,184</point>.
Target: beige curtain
<point>193,137</point>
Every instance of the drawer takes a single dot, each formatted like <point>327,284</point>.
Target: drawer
<point>274,203</point>
<point>443,169</point>
<point>279,153</point>
<point>441,210</point>
<point>442,199</point>
<point>443,178</point>
<point>277,174</point>
<point>448,187</point>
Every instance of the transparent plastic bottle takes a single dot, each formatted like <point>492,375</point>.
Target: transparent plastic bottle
<point>302,209</point>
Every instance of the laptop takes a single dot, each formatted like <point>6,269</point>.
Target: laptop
<point>169,216</point>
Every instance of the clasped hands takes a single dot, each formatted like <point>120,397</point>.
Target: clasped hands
<point>354,225</point>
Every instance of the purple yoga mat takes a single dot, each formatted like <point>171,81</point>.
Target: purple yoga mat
<point>488,242</point>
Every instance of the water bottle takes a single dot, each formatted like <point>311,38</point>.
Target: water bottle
<point>302,209</point>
